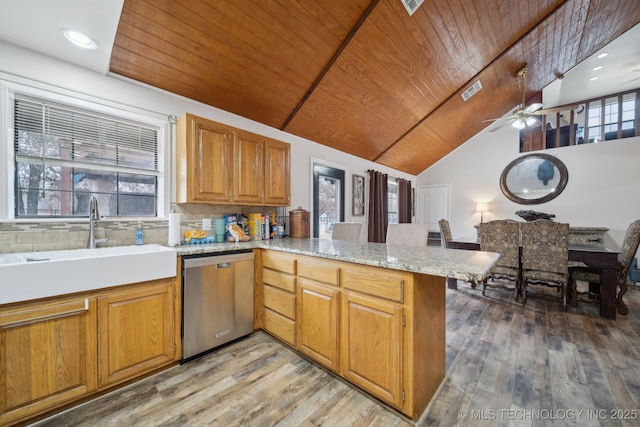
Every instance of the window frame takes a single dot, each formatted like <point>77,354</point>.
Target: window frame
<point>162,123</point>
<point>392,183</point>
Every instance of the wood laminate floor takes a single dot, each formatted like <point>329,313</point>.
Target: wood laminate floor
<point>507,364</point>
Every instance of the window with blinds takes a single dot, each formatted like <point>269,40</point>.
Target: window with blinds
<point>63,155</point>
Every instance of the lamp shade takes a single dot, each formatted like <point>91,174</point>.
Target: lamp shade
<point>531,121</point>
<point>519,124</point>
<point>482,207</point>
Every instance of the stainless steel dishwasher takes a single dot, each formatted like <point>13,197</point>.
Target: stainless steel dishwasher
<point>217,298</point>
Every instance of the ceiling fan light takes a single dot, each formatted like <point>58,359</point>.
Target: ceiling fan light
<point>519,124</point>
<point>531,121</point>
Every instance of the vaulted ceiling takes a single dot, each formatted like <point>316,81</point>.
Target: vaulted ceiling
<point>363,76</point>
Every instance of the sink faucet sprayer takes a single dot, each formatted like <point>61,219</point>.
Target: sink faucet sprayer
<point>94,215</point>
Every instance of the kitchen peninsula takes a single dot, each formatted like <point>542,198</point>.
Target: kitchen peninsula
<point>430,260</point>
<point>374,314</point>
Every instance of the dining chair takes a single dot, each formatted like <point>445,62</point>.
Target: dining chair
<point>502,236</point>
<point>445,232</point>
<point>545,256</point>
<point>346,231</point>
<point>407,234</point>
<point>593,276</point>
<point>446,237</point>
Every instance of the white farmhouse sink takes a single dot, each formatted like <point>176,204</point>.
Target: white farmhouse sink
<point>31,275</point>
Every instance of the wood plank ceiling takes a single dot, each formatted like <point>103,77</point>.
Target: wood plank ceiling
<point>363,76</point>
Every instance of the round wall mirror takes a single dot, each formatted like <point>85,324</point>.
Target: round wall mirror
<point>533,179</point>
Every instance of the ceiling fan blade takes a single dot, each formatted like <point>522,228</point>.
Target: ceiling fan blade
<point>556,109</point>
<point>500,118</point>
<point>532,108</point>
<point>501,125</point>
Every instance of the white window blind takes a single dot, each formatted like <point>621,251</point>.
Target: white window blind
<point>64,154</point>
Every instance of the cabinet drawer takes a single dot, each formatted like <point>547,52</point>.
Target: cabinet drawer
<point>376,282</point>
<point>279,261</point>
<point>279,280</point>
<point>318,270</point>
<point>280,301</point>
<point>280,326</point>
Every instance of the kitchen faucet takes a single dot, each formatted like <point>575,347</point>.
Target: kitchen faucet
<point>94,215</point>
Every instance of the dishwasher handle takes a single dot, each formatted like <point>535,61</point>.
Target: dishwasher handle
<point>221,261</point>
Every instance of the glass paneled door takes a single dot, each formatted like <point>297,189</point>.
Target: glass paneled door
<point>328,199</point>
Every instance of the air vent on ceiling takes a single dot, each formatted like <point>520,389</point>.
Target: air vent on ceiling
<point>473,89</point>
<point>412,5</point>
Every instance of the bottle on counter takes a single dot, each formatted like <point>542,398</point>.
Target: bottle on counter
<point>139,234</point>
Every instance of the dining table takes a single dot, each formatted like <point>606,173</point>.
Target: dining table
<point>595,255</point>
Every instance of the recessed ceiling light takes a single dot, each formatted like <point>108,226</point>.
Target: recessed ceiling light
<point>593,78</point>
<point>602,55</point>
<point>79,39</point>
<point>599,67</point>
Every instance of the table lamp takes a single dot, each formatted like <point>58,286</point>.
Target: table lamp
<point>482,208</point>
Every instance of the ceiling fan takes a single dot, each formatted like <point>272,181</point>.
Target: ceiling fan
<point>524,116</point>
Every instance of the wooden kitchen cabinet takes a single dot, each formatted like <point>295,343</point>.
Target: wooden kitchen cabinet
<point>318,302</point>
<point>203,160</point>
<point>136,331</point>
<point>248,169</point>
<point>380,329</point>
<point>220,164</point>
<point>277,173</point>
<point>372,336</point>
<point>62,349</point>
<point>371,346</point>
<point>278,285</point>
<point>318,322</point>
<point>48,355</point>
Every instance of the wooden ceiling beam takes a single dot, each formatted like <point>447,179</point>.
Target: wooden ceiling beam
<point>476,77</point>
<point>329,64</point>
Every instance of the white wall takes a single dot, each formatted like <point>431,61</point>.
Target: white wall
<point>603,188</point>
<point>23,66</point>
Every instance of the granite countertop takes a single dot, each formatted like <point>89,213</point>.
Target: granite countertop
<point>432,260</point>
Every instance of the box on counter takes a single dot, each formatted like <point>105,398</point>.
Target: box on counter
<point>229,219</point>
<point>255,226</point>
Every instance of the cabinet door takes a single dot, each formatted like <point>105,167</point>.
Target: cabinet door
<point>371,346</point>
<point>248,168</point>
<point>48,356</point>
<point>277,180</point>
<point>136,331</point>
<point>318,322</point>
<point>209,173</point>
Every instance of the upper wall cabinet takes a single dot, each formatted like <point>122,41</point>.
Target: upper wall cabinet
<point>220,164</point>
<point>203,161</point>
<point>276,173</point>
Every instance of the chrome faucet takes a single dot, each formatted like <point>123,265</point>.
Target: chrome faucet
<point>94,215</point>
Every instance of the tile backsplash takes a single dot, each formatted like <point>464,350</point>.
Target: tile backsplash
<point>73,234</point>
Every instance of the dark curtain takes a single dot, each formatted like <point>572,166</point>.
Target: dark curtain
<point>378,207</point>
<point>404,200</point>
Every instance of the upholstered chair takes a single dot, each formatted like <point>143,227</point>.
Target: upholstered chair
<point>445,232</point>
<point>346,231</point>
<point>502,236</point>
<point>545,255</point>
<point>593,276</point>
<point>407,234</point>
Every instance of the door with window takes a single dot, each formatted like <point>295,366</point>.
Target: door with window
<point>328,199</point>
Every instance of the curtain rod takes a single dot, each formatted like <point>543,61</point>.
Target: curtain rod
<point>388,176</point>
